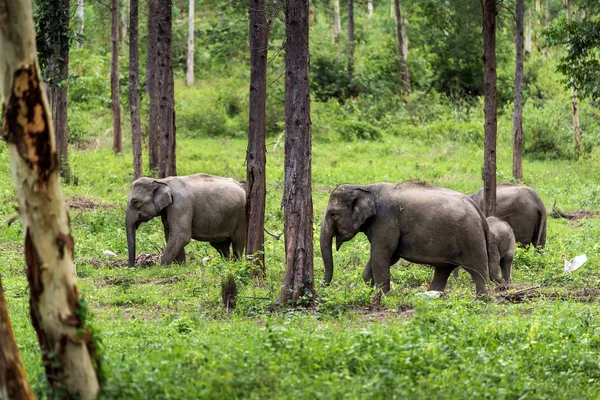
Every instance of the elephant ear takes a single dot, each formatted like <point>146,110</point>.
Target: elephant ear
<point>162,196</point>
<point>363,207</point>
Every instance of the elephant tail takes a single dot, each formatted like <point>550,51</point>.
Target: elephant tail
<point>539,234</point>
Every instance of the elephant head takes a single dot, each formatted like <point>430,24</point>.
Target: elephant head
<point>348,209</point>
<point>147,199</point>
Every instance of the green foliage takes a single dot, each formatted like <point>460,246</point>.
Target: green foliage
<point>53,38</point>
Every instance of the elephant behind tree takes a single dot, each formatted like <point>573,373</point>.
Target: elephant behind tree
<point>415,221</point>
<point>504,245</point>
<point>522,208</point>
<point>204,207</point>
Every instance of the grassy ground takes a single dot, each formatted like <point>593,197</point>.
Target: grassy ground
<point>164,333</point>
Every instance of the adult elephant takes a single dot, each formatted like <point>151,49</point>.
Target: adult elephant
<point>522,208</point>
<point>415,221</point>
<point>204,207</point>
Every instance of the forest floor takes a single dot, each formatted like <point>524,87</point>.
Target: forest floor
<point>164,333</point>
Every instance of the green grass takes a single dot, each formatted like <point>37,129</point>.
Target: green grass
<point>164,333</point>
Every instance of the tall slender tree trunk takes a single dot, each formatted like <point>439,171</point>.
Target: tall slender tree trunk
<point>80,22</point>
<point>489,108</point>
<point>351,37</point>
<point>574,98</point>
<point>337,24</point>
<point>297,196</point>
<point>151,87</point>
<point>546,24</point>
<point>164,88</point>
<point>57,314</point>
<point>134,94</point>
<point>60,94</point>
<point>13,379</point>
<point>518,110</point>
<point>370,8</point>
<point>190,53</point>
<point>114,78</point>
<point>123,24</point>
<point>402,64</point>
<point>256,185</point>
<point>528,32</point>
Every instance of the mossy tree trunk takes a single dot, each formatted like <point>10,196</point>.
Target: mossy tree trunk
<point>68,353</point>
<point>297,195</point>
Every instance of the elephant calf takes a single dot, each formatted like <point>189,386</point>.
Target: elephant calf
<point>204,207</point>
<point>504,245</point>
<point>415,221</point>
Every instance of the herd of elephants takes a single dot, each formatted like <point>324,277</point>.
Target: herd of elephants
<point>412,220</point>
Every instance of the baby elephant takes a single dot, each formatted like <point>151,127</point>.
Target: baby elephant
<point>503,245</point>
<point>204,207</point>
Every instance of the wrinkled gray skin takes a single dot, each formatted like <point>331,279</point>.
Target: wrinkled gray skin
<point>522,208</point>
<point>504,245</point>
<point>411,220</point>
<point>203,207</point>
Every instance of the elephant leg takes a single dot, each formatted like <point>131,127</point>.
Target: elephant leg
<point>480,277</point>
<point>380,262</point>
<point>238,242</point>
<point>505,267</point>
<point>440,277</point>
<point>494,266</point>
<point>222,248</point>
<point>368,274</point>
<point>176,242</point>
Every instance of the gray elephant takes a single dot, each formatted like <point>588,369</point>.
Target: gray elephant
<point>522,208</point>
<point>415,221</point>
<point>504,245</point>
<point>204,207</point>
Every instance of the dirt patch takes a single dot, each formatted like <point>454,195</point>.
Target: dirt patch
<point>128,281</point>
<point>521,294</point>
<point>142,260</point>
<point>85,203</point>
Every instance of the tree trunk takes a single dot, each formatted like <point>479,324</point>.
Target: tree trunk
<point>574,99</point>
<point>528,32</point>
<point>114,77</point>
<point>57,313</point>
<point>164,87</point>
<point>134,95</point>
<point>518,110</point>
<point>297,196</point>
<point>489,108</point>
<point>370,8</point>
<point>256,186</point>
<point>351,37</point>
<point>123,25</point>
<point>13,379</point>
<point>337,25</point>
<point>190,54</point>
<point>403,64</point>
<point>80,23</point>
<point>151,72</point>
<point>546,24</point>
<point>60,93</point>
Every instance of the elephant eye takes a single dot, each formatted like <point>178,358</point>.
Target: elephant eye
<point>137,203</point>
<point>333,216</point>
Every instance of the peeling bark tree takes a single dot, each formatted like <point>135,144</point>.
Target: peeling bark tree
<point>297,196</point>
<point>351,37</point>
<point>489,108</point>
<point>256,186</point>
<point>518,110</point>
<point>403,63</point>
<point>114,78</point>
<point>151,69</point>
<point>134,95</point>
<point>13,380</point>
<point>162,91</point>
<point>67,347</point>
<point>190,54</point>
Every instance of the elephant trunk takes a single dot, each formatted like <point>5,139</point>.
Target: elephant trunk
<point>326,250</point>
<point>131,227</point>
